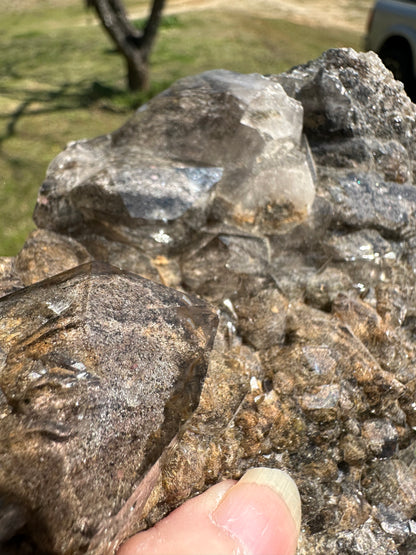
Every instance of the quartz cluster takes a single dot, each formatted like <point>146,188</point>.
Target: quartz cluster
<point>287,203</point>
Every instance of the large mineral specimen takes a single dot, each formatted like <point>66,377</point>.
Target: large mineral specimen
<point>311,268</point>
<point>98,370</point>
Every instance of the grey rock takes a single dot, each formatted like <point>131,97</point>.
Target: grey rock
<point>356,114</point>
<point>381,437</point>
<point>366,245</point>
<point>364,539</point>
<point>325,286</point>
<point>364,201</point>
<point>215,267</point>
<point>392,484</point>
<point>124,192</point>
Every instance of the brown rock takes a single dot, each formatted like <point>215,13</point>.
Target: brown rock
<point>98,370</point>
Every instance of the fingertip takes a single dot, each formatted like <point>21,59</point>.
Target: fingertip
<point>282,484</point>
<point>263,512</point>
<point>259,515</point>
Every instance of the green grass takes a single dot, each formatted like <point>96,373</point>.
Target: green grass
<point>60,80</point>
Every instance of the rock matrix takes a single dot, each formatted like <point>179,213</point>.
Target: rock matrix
<point>288,203</point>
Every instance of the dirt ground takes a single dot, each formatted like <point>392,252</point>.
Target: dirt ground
<point>345,14</point>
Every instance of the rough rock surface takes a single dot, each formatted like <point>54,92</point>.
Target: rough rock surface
<point>98,370</point>
<point>307,253</point>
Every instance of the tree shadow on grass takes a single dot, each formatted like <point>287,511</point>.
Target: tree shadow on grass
<point>70,96</point>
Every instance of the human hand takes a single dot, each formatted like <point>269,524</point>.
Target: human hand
<point>258,515</point>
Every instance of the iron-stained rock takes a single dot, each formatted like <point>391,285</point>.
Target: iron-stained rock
<point>98,370</point>
<point>9,278</point>
<point>46,254</point>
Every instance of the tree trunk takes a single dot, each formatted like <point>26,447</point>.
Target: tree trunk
<point>134,45</point>
<point>137,74</point>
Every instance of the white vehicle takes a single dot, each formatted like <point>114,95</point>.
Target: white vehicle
<point>391,33</point>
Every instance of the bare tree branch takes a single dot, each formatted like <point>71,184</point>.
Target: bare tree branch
<point>134,45</point>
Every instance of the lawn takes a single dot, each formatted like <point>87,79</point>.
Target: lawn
<point>60,80</point>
